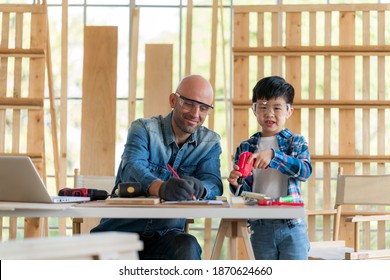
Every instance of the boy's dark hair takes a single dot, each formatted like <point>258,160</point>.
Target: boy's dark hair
<point>273,87</point>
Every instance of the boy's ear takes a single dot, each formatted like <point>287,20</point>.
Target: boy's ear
<point>289,113</point>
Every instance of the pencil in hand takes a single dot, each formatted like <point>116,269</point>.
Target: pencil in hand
<point>177,176</point>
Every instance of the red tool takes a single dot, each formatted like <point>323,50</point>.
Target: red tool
<point>94,194</point>
<point>269,202</point>
<point>245,169</point>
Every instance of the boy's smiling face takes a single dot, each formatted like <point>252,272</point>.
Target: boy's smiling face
<point>271,115</point>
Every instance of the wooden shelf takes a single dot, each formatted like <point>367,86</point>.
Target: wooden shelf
<point>21,103</point>
<point>372,50</point>
<point>327,104</point>
<point>32,53</point>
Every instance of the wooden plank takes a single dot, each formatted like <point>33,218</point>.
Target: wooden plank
<point>276,62</point>
<point>35,132</point>
<point>311,8</point>
<point>293,67</point>
<point>347,90</point>
<point>158,79</point>
<point>133,201</point>
<point>326,201</point>
<point>241,79</point>
<point>3,75</point>
<point>366,127</point>
<point>97,153</point>
<point>311,185</point>
<point>19,52</point>
<point>16,102</point>
<point>326,103</point>
<point>63,149</point>
<point>16,112</point>
<point>349,158</point>
<point>347,117</point>
<point>52,110</point>
<point>297,50</point>
<point>104,245</point>
<point>188,56</point>
<point>98,123</point>
<point>133,65</point>
<point>20,8</point>
<point>213,58</point>
<point>381,135</point>
<point>260,42</point>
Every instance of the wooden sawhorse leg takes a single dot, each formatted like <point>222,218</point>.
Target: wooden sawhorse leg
<point>233,229</point>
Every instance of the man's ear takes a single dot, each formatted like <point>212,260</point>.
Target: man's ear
<point>172,100</point>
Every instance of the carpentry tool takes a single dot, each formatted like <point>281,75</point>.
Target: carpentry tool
<point>245,169</point>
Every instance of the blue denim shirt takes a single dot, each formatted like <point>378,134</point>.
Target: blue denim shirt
<point>150,146</point>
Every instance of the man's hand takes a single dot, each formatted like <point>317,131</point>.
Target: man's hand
<point>199,189</point>
<point>176,189</point>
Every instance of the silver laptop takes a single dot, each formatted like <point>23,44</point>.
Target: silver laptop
<point>21,182</point>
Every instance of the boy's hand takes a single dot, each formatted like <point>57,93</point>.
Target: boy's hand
<point>234,175</point>
<point>262,158</point>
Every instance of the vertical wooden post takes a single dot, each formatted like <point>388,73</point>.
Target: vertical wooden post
<point>133,65</point>
<point>35,131</point>
<point>347,92</point>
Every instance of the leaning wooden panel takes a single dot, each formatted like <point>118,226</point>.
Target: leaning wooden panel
<point>99,101</point>
<point>158,79</point>
<point>98,123</point>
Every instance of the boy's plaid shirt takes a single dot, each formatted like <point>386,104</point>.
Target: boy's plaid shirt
<point>292,159</point>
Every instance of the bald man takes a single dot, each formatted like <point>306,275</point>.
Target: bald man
<point>193,151</point>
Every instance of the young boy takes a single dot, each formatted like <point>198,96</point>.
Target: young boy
<point>281,161</point>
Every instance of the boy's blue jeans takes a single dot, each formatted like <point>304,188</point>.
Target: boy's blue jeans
<point>173,245</point>
<point>275,240</point>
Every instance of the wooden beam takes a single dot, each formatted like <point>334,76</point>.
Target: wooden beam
<point>328,104</point>
<point>21,103</point>
<point>19,52</point>
<point>133,65</point>
<point>345,50</point>
<point>310,8</point>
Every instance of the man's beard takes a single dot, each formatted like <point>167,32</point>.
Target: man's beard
<point>183,126</point>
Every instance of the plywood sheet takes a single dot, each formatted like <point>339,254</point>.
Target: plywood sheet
<point>99,101</point>
<point>158,79</point>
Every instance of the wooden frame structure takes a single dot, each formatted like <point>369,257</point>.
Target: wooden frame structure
<point>344,83</point>
<point>25,54</point>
